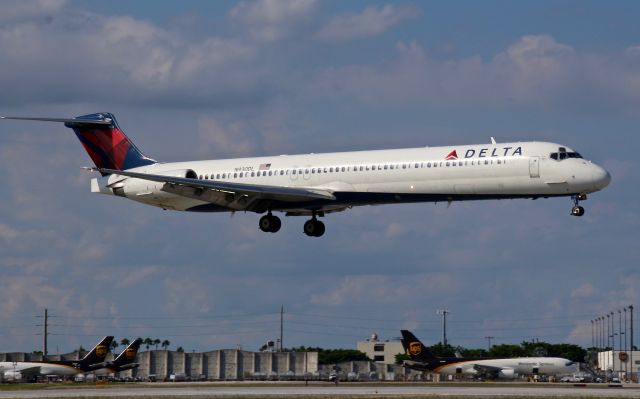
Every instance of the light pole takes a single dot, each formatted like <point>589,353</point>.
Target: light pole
<point>592,337</point>
<point>444,314</point>
<point>626,364</point>
<point>489,338</point>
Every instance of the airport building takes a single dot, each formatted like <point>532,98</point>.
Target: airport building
<point>224,364</point>
<point>620,363</point>
<point>381,351</point>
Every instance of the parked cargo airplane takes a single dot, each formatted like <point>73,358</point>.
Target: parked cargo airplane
<point>124,361</point>
<point>14,371</point>
<point>502,368</point>
<point>316,184</point>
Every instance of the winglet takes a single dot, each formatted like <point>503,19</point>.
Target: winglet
<point>493,141</point>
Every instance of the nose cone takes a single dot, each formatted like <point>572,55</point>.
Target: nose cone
<point>601,178</point>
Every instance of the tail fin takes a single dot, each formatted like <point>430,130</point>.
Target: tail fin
<point>104,141</point>
<point>99,352</point>
<point>107,145</point>
<point>414,347</point>
<point>129,354</point>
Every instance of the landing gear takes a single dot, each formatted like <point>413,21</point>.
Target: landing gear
<point>577,210</point>
<point>269,223</point>
<point>313,227</point>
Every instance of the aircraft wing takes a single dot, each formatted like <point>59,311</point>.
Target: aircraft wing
<point>238,196</point>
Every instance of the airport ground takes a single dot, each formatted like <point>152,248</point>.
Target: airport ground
<point>301,390</point>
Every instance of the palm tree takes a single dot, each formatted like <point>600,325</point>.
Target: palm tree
<point>114,345</point>
<point>148,342</point>
<point>124,342</point>
<point>156,342</point>
<point>166,343</point>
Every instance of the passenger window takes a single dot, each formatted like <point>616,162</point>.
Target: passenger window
<point>343,168</point>
<point>253,174</point>
<point>385,167</point>
<point>391,167</point>
<point>453,164</point>
<point>235,175</point>
<point>499,162</point>
<point>313,170</point>
<point>417,165</point>
<point>281,172</point>
<point>428,164</point>
<point>294,172</point>
<point>241,174</point>
<point>446,164</point>
<point>299,171</point>
<point>306,171</point>
<point>486,162</point>
<point>223,176</point>
<point>331,169</point>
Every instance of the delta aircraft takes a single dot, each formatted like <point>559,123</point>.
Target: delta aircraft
<point>14,371</point>
<point>314,185</point>
<point>495,368</point>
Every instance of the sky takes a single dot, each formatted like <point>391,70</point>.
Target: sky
<point>208,80</point>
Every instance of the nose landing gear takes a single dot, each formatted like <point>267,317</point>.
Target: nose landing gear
<point>269,223</point>
<point>577,210</point>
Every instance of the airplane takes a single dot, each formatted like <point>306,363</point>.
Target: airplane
<point>14,371</point>
<point>317,184</point>
<point>124,361</point>
<point>493,368</point>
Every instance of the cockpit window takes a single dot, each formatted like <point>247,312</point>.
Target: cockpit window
<point>559,156</point>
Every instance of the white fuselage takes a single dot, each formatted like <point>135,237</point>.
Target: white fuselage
<point>485,171</point>
<point>18,370</point>
<point>511,367</point>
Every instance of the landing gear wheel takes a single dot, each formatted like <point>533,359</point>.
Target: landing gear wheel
<point>269,223</point>
<point>314,228</point>
<point>577,211</point>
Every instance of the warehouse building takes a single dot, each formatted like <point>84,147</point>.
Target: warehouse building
<point>224,364</point>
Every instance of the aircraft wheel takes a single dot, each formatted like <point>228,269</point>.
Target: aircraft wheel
<point>276,224</point>
<point>577,211</point>
<point>314,228</point>
<point>320,227</point>
<point>270,224</point>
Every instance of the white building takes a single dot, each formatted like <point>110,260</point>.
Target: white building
<point>620,362</point>
<point>381,351</point>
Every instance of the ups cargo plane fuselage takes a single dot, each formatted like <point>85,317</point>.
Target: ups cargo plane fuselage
<point>316,184</point>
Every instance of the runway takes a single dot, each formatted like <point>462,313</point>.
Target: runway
<point>169,390</point>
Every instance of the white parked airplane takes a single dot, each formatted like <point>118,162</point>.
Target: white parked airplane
<point>500,368</point>
<point>14,371</point>
<point>316,184</point>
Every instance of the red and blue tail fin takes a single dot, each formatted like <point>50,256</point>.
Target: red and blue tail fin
<point>106,144</point>
<point>102,138</point>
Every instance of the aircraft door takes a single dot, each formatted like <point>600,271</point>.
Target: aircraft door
<point>534,167</point>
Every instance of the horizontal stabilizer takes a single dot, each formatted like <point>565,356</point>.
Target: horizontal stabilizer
<point>105,121</point>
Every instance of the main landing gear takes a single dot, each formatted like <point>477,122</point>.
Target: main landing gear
<point>577,210</point>
<point>269,223</point>
<point>313,227</point>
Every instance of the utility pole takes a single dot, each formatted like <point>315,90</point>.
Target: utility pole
<point>620,336</point>
<point>631,339</point>
<point>444,314</point>
<point>626,364</point>
<point>46,332</point>
<point>489,338</point>
<point>592,336</point>
<point>281,326</point>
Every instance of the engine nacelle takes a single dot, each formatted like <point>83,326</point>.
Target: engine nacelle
<point>12,376</point>
<point>121,185</point>
<point>507,374</point>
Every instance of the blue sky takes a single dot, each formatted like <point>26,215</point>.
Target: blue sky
<point>205,80</point>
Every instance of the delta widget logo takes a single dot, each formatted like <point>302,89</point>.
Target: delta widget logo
<point>452,156</point>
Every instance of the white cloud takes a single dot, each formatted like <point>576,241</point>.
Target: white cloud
<point>126,60</point>
<point>372,21</point>
<point>271,20</point>
<point>534,70</point>
<point>582,292</point>
<point>225,139</point>
<point>18,10</point>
